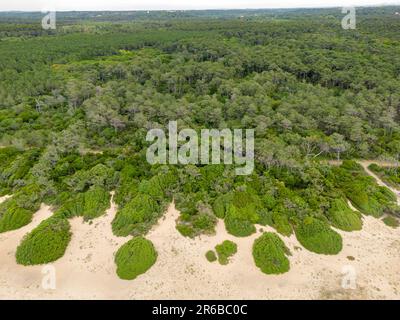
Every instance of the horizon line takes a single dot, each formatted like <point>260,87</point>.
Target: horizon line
<point>208,9</point>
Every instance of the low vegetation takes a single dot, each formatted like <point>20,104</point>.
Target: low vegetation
<point>18,210</point>
<point>225,251</point>
<point>390,175</point>
<point>391,221</point>
<point>270,254</point>
<point>134,258</point>
<point>211,256</point>
<point>363,191</point>
<point>316,235</point>
<point>342,217</point>
<point>46,243</point>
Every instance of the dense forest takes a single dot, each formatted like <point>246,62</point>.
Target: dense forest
<point>76,104</point>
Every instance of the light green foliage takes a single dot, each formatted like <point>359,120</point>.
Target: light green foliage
<point>242,213</point>
<point>390,176</point>
<point>46,243</point>
<point>97,200</point>
<point>316,236</point>
<point>134,258</point>
<point>342,217</point>
<point>225,251</point>
<point>362,190</point>
<point>269,253</point>
<point>99,175</point>
<point>89,205</point>
<point>137,216</point>
<point>196,215</point>
<point>211,256</point>
<point>18,211</point>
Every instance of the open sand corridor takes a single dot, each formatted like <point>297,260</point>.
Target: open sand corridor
<point>87,270</point>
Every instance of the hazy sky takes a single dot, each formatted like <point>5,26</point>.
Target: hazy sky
<point>38,5</point>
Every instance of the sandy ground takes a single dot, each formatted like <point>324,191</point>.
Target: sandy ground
<point>87,270</point>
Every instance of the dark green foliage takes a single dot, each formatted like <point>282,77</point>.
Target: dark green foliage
<point>134,258</point>
<point>342,217</point>
<point>211,256</point>
<point>46,243</point>
<point>225,251</point>
<point>136,217</point>
<point>269,253</point>
<point>362,190</point>
<point>127,186</point>
<point>316,236</point>
<point>89,205</point>
<point>196,215</point>
<point>100,175</point>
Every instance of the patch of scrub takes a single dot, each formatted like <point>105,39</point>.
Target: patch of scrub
<point>316,236</point>
<point>225,251</point>
<point>46,243</point>
<point>134,258</point>
<point>269,254</point>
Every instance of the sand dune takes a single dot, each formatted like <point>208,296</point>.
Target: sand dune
<point>87,270</point>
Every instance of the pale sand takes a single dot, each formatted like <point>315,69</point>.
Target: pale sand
<point>87,270</point>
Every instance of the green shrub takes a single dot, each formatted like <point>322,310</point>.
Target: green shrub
<point>97,201</point>
<point>46,243</point>
<point>225,250</point>
<point>316,236</point>
<point>18,211</point>
<point>73,207</point>
<point>134,258</point>
<point>186,230</point>
<point>211,256</point>
<point>221,204</point>
<point>127,187</point>
<point>342,217</point>
<point>391,221</point>
<point>281,223</point>
<point>238,223</point>
<point>13,217</point>
<point>136,217</point>
<point>269,253</point>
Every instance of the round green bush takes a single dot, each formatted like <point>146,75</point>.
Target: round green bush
<point>136,216</point>
<point>238,227</point>
<point>211,256</point>
<point>13,217</point>
<point>269,253</point>
<point>46,243</point>
<point>135,257</point>
<point>225,250</point>
<point>316,236</point>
